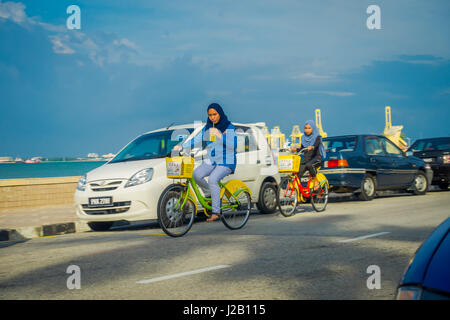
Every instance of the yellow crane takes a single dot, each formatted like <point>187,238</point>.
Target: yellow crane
<point>267,135</point>
<point>296,135</point>
<point>319,124</point>
<point>394,133</point>
<point>277,139</point>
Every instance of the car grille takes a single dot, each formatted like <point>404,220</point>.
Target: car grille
<point>117,207</point>
<point>107,185</point>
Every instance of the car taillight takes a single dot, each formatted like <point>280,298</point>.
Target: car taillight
<point>335,163</point>
<point>446,158</point>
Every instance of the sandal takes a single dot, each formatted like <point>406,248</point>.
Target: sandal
<point>213,217</point>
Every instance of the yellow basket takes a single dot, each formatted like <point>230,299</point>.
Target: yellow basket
<point>288,163</point>
<point>179,167</point>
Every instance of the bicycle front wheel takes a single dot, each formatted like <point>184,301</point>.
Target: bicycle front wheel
<point>173,221</point>
<point>287,198</point>
<point>237,216</point>
<point>319,198</point>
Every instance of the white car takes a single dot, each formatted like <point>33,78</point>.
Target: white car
<point>129,186</point>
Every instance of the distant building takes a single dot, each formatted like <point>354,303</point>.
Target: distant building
<point>92,155</point>
<point>6,159</point>
<point>108,156</point>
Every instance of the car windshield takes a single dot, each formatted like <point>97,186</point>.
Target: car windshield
<point>152,145</point>
<point>431,145</point>
<point>340,144</point>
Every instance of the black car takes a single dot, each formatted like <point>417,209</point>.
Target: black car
<point>436,152</point>
<point>427,276</point>
<point>364,164</point>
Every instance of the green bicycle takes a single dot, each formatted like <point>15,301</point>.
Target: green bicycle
<point>177,208</point>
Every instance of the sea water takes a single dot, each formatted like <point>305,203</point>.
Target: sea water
<point>47,169</point>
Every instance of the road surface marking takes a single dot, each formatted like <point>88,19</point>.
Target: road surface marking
<point>364,237</point>
<point>182,274</point>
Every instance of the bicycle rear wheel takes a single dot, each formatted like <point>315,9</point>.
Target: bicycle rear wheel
<point>235,218</point>
<point>173,221</point>
<point>287,202</point>
<point>319,198</point>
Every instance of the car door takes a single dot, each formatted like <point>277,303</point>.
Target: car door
<point>246,158</point>
<point>378,161</point>
<point>402,171</point>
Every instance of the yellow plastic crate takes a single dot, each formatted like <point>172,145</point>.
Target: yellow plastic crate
<point>179,167</point>
<point>288,163</point>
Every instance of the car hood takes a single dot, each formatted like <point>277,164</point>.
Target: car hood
<point>432,252</point>
<point>437,275</point>
<point>123,170</point>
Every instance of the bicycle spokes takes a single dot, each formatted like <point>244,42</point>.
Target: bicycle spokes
<point>235,209</point>
<point>176,214</point>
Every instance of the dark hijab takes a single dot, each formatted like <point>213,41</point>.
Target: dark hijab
<point>223,123</point>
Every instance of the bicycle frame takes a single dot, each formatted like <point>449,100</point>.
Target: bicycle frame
<point>305,191</point>
<point>190,183</point>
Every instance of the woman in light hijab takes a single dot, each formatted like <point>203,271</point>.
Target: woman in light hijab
<point>312,158</point>
<point>221,141</point>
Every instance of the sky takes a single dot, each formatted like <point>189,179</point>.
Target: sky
<point>136,66</point>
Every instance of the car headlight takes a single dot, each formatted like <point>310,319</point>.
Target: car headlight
<point>408,293</point>
<point>81,186</point>
<point>140,177</point>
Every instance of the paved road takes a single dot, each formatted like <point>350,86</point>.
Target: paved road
<point>308,256</point>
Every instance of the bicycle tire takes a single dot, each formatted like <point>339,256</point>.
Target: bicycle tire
<point>173,222</point>
<point>320,206</point>
<point>241,215</point>
<point>285,200</point>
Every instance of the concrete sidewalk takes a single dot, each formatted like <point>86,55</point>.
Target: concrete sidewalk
<point>20,224</point>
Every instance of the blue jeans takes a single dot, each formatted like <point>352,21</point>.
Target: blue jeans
<point>215,173</point>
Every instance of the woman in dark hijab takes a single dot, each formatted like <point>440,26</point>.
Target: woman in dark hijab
<point>312,140</point>
<point>219,134</point>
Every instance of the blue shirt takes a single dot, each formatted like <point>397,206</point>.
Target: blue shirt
<point>222,151</point>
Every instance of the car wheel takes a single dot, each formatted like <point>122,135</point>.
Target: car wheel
<point>100,226</point>
<point>368,188</point>
<point>443,185</point>
<point>267,198</point>
<point>420,185</point>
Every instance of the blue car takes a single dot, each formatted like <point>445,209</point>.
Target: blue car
<point>427,276</point>
<point>364,164</point>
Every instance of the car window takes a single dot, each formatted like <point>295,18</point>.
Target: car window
<point>152,145</point>
<point>391,149</point>
<point>373,146</point>
<point>431,145</point>
<point>340,144</point>
<point>245,140</point>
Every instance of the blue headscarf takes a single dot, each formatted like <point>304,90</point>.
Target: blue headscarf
<point>309,140</point>
<point>223,123</point>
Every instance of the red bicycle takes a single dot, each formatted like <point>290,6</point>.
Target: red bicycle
<point>291,191</point>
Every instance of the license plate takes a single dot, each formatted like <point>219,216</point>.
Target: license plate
<point>100,202</point>
<point>428,160</point>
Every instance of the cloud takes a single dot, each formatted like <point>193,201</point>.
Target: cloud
<point>312,76</point>
<point>330,93</point>
<point>59,46</point>
<point>14,11</point>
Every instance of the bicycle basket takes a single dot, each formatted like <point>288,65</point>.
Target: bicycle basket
<point>288,163</point>
<point>179,167</point>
